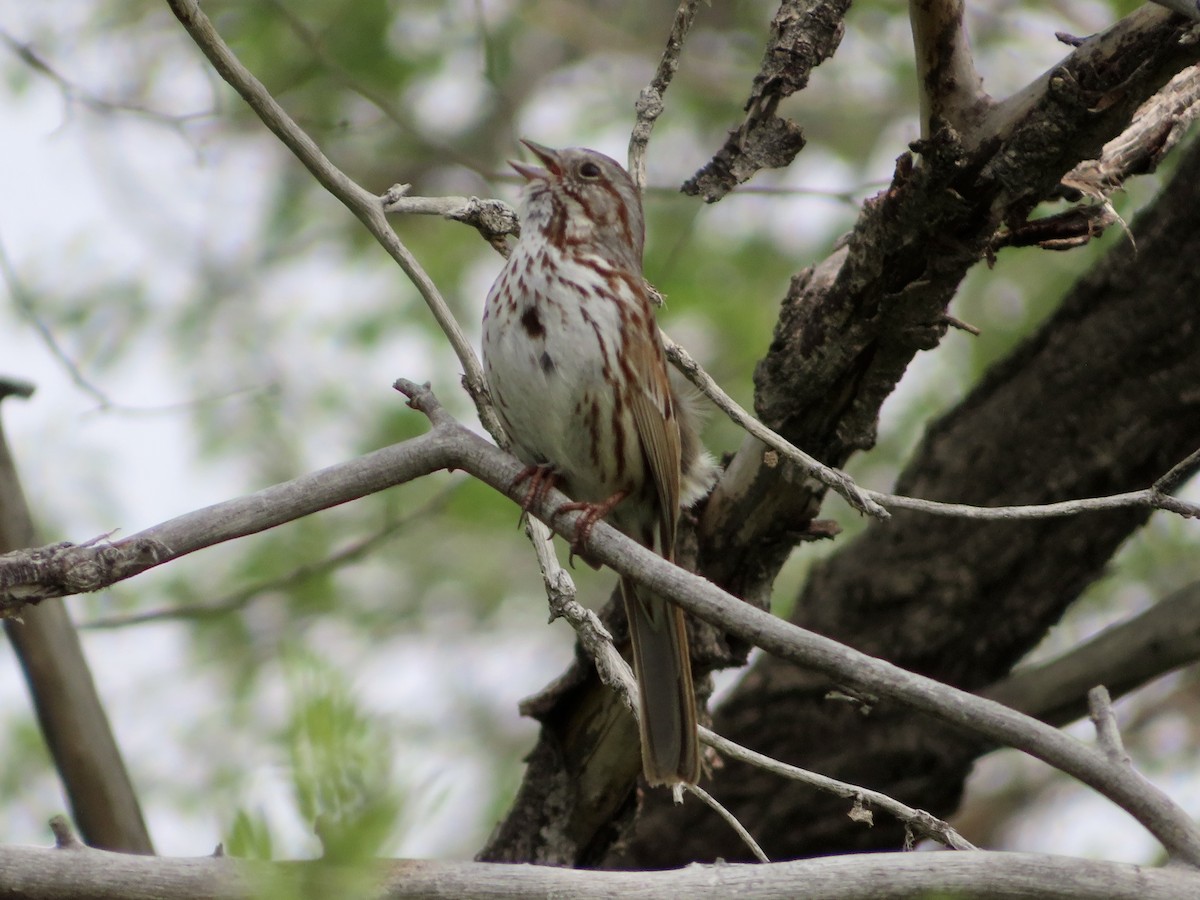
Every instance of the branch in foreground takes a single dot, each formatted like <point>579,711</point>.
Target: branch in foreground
<point>70,713</point>
<point>450,446</point>
<point>61,569</point>
<point>77,871</point>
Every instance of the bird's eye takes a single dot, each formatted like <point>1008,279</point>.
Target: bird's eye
<point>589,170</point>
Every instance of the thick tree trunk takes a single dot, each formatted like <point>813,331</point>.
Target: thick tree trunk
<point>1104,398</point>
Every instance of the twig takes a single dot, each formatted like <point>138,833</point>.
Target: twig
<point>833,478</point>
<point>921,822</point>
<point>493,219</point>
<point>877,503</point>
<point>60,570</point>
<point>712,803</point>
<point>65,837</point>
<point>1151,497</point>
<point>380,99</point>
<point>649,104</point>
<point>1108,735</point>
<point>243,598</point>
<point>24,302</point>
<point>593,637</point>
<point>73,93</point>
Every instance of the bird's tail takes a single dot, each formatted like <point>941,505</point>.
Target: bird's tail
<point>670,743</point>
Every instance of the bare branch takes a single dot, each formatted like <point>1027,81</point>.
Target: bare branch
<point>949,87</point>
<point>494,220</point>
<point>877,503</point>
<point>804,33</point>
<point>1108,735</point>
<point>921,822</point>
<point>21,297</point>
<point>1124,657</point>
<point>61,569</point>
<point>247,595</point>
<point>52,874</point>
<point>649,104</point>
<point>712,803</point>
<point>74,93</point>
<point>833,478</point>
<point>363,204</point>
<point>448,445</point>
<point>70,713</point>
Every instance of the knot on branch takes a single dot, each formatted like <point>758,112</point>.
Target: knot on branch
<point>58,570</point>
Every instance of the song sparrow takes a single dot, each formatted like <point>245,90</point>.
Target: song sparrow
<point>576,369</point>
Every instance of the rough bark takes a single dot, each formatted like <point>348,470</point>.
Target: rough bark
<point>1104,398</point>
<point>847,331</point>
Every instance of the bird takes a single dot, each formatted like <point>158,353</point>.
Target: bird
<point>576,368</point>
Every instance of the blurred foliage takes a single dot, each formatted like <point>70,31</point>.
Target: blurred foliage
<point>248,306</point>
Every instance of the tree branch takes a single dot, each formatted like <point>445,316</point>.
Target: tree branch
<point>73,873</point>
<point>449,445</point>
<point>950,89</point>
<point>365,206</point>
<point>61,569</point>
<point>69,711</point>
<point>804,33</point>
<point>649,104</point>
<point>1122,657</point>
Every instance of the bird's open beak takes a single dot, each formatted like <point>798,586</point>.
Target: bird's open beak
<point>546,155</point>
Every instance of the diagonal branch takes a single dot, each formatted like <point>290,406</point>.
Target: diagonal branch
<point>950,89</point>
<point>70,713</point>
<point>1122,657</point>
<point>363,204</point>
<point>449,445</point>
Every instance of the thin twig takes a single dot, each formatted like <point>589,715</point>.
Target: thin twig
<point>363,204</point>
<point>24,301</point>
<point>715,805</point>
<point>493,219</point>
<point>877,503</point>
<point>73,93</point>
<point>834,478</point>
<point>649,104</point>
<point>1149,497</point>
<point>1104,718</point>
<point>921,822</point>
